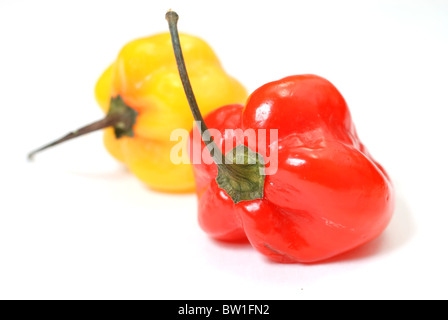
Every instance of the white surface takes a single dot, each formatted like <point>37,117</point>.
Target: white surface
<point>75,225</point>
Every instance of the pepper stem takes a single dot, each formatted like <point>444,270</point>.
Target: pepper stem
<point>241,171</point>
<point>217,155</point>
<point>120,116</point>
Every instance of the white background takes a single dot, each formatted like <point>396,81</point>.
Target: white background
<point>75,225</point>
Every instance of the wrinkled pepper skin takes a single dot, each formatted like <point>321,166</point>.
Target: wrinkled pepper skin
<point>145,76</point>
<point>328,195</point>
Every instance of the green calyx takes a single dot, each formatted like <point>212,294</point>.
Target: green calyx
<point>125,117</point>
<point>242,175</point>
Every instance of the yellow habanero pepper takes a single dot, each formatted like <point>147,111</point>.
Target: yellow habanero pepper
<point>143,98</point>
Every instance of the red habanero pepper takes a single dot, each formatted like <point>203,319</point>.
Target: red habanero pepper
<point>328,194</point>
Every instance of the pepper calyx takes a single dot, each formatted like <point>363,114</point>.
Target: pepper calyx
<point>242,175</point>
<point>125,115</point>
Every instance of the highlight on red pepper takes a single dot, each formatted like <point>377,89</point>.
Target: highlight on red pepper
<point>328,194</point>
<point>143,101</point>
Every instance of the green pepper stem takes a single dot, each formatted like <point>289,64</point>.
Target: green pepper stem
<point>120,116</point>
<point>106,122</point>
<point>217,155</point>
<point>241,181</point>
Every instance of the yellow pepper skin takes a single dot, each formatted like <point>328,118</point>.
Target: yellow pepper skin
<point>146,77</point>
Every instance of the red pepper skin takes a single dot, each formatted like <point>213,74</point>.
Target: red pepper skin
<point>328,195</point>
<point>216,212</point>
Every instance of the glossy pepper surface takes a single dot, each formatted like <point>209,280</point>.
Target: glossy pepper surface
<point>145,76</point>
<point>328,195</point>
